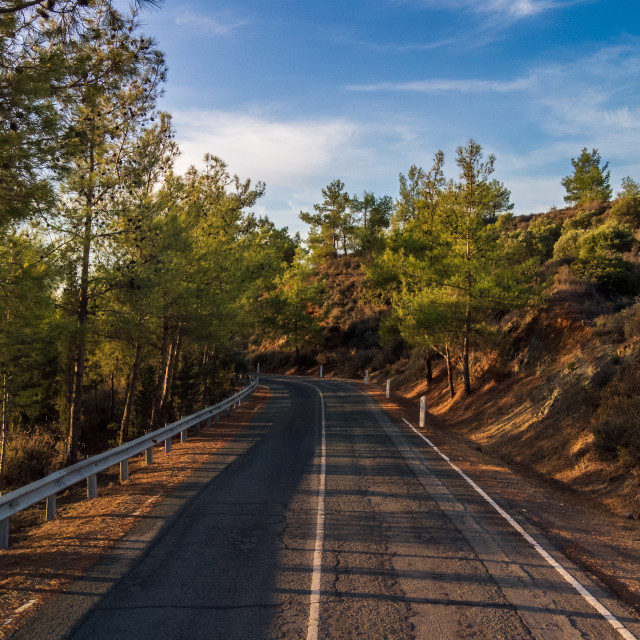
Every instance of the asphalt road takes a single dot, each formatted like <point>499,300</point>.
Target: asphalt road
<point>325,520</point>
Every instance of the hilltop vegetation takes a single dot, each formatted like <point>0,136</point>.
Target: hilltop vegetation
<point>131,295</point>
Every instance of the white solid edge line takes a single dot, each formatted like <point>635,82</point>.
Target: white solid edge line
<point>314,609</point>
<point>142,507</point>
<point>599,607</point>
<point>25,606</point>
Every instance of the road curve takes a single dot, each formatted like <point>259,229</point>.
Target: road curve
<point>328,521</point>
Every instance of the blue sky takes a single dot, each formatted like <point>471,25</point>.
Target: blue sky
<point>298,93</point>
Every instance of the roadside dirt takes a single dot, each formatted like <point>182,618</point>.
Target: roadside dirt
<point>46,556</point>
<point>606,545</point>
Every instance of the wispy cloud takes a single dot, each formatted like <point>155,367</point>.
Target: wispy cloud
<point>561,107</point>
<point>219,25</point>
<point>589,102</point>
<point>514,9</point>
<point>396,47</point>
<point>447,85</point>
<point>593,98</point>
<point>497,10</point>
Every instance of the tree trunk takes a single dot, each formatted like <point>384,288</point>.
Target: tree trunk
<point>297,357</point>
<point>204,398</point>
<point>5,427</point>
<point>162,372</point>
<point>112,398</point>
<point>166,410</point>
<point>465,352</point>
<point>452,390</point>
<point>429,369</point>
<point>166,373</point>
<point>75,413</point>
<point>131,394</point>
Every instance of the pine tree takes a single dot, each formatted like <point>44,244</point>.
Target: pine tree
<point>373,217</point>
<point>332,224</point>
<point>589,181</point>
<point>112,83</point>
<point>292,309</point>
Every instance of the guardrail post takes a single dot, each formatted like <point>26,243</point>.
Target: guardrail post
<point>208,425</point>
<point>92,487</point>
<point>321,371</point>
<point>366,376</point>
<point>183,436</point>
<point>51,507</point>
<point>217,417</point>
<point>149,455</point>
<point>388,391</point>
<point>4,533</point>
<point>124,470</point>
<point>196,428</point>
<point>167,445</point>
<point>423,409</point>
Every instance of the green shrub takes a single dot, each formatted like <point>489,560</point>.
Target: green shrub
<point>608,239</point>
<point>566,248</point>
<point>612,276</point>
<point>581,221</point>
<point>627,210</point>
<point>539,238</point>
<point>604,240</point>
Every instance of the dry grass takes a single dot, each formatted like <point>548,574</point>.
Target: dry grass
<point>45,556</point>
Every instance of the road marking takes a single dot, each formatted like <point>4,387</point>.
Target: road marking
<point>314,610</point>
<point>143,508</point>
<point>600,608</point>
<point>25,606</point>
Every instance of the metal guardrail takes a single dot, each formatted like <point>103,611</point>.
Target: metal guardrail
<point>47,488</point>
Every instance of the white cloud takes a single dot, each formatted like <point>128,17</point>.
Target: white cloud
<point>219,26</point>
<point>265,149</point>
<point>297,158</point>
<point>444,85</point>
